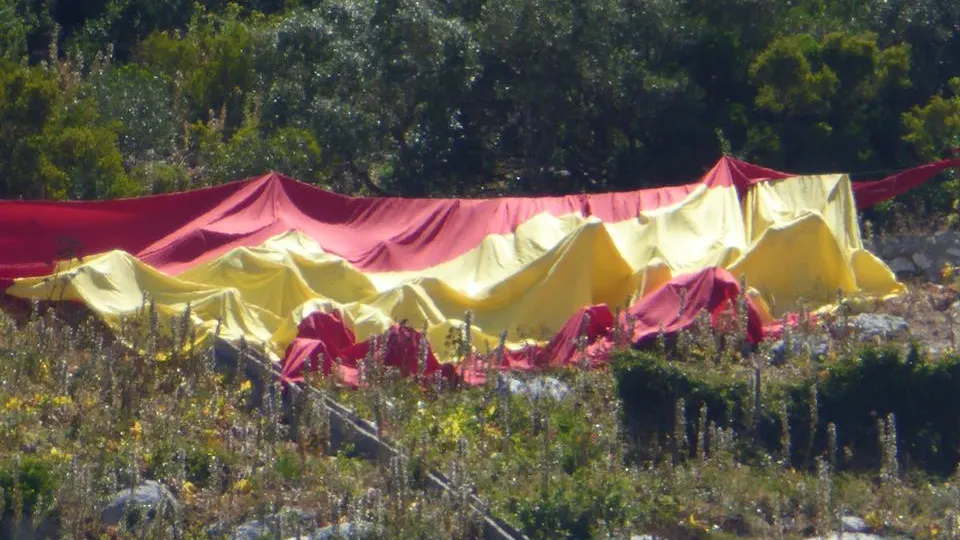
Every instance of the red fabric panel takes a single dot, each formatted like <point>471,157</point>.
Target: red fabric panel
<point>326,334</point>
<point>714,290</point>
<point>33,234</point>
<point>743,175</point>
<point>594,322</point>
<point>319,334</point>
<point>774,330</point>
<point>870,193</point>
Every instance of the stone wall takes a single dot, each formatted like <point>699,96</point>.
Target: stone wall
<point>916,255</point>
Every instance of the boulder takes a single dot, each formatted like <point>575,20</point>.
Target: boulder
<point>537,387</point>
<point>854,524</point>
<point>818,346</point>
<point>873,325</point>
<point>923,261</point>
<point>145,501</point>
<point>903,266</point>
<point>291,521</point>
<point>358,531</point>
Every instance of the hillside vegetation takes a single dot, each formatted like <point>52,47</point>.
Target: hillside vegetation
<point>421,97</point>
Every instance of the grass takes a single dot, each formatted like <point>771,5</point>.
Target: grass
<point>87,415</point>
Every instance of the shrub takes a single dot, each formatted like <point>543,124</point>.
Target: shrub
<point>27,482</point>
<point>854,393</point>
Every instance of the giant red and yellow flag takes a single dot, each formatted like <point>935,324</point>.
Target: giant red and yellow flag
<point>303,270</point>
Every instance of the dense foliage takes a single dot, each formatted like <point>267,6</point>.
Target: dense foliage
<point>851,394</point>
<point>420,97</point>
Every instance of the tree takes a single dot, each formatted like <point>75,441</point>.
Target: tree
<point>933,132</point>
<point>53,148</point>
<point>212,64</point>
<point>828,104</point>
<point>28,105</point>
<point>248,152</point>
<point>144,108</point>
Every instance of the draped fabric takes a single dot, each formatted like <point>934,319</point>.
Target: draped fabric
<point>312,274</point>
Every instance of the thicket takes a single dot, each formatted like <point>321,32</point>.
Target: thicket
<point>421,97</point>
<point>842,411</point>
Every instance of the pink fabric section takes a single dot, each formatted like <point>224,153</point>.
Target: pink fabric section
<point>325,336</point>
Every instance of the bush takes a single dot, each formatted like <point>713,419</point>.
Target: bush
<point>651,387</point>
<point>856,394</point>
<point>33,481</point>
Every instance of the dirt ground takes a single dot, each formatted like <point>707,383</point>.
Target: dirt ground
<point>930,313</point>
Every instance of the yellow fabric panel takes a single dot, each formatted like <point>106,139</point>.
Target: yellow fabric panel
<point>779,202</point>
<point>794,261</point>
<point>806,244</point>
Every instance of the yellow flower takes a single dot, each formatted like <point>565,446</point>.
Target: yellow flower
<point>212,437</point>
<point>59,454</point>
<point>245,386</point>
<point>492,431</point>
<point>452,426</point>
<point>242,485</point>
<point>189,490</point>
<point>61,401</point>
<point>136,430</point>
<point>13,404</point>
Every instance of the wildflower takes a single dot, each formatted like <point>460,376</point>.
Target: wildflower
<point>44,370</point>
<point>13,404</point>
<point>136,430</point>
<point>189,491</point>
<point>242,485</point>
<point>56,453</point>
<point>245,386</point>
<point>212,437</point>
<point>62,401</point>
